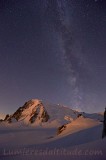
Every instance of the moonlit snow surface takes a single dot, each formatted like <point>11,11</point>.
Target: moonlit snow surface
<point>80,139</point>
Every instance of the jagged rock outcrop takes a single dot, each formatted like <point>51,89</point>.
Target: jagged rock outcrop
<point>61,129</point>
<point>7,118</point>
<point>1,120</point>
<point>31,112</point>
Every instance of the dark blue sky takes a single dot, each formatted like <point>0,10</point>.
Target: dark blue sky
<point>53,50</point>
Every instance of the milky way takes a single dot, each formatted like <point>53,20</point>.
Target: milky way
<point>53,50</point>
<point>76,63</point>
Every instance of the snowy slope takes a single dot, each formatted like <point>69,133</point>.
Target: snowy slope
<point>59,114</point>
<point>79,124</point>
<point>84,135</point>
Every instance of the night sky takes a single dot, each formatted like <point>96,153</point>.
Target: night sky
<point>54,50</point>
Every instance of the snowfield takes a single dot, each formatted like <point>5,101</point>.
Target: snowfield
<point>79,140</point>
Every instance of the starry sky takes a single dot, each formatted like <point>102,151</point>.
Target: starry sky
<point>54,50</point>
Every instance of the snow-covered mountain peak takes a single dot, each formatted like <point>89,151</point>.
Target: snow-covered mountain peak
<point>35,101</point>
<point>36,112</point>
<point>31,106</point>
<point>32,111</point>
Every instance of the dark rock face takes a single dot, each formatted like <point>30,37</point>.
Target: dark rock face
<point>1,120</point>
<point>61,129</point>
<point>104,129</point>
<point>33,118</point>
<point>7,118</point>
<point>45,117</point>
<point>104,125</point>
<point>18,113</point>
<point>79,115</point>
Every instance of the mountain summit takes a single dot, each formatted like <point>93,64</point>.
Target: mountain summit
<point>31,112</point>
<point>35,112</point>
<point>38,113</point>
